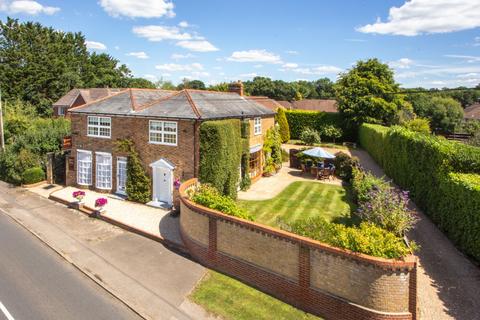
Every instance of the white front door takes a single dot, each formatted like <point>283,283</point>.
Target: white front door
<point>122,175</point>
<point>162,184</point>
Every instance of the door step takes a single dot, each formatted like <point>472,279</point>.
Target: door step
<point>159,204</point>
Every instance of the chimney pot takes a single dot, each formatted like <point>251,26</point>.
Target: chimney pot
<point>236,87</point>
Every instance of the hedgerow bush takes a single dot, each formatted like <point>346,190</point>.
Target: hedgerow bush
<point>208,196</point>
<point>310,136</point>
<point>367,238</point>
<point>298,120</point>
<point>220,155</point>
<point>364,182</point>
<point>423,164</point>
<point>33,175</point>
<point>344,165</point>
<point>281,119</point>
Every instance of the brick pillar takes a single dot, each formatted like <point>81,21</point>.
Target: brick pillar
<point>50,156</point>
<point>304,267</point>
<point>212,238</point>
<point>412,293</point>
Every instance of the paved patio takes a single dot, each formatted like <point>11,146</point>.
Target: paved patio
<point>156,222</point>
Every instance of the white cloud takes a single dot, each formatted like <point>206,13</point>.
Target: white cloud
<point>290,65</point>
<point>150,77</point>
<point>173,67</point>
<point>197,45</point>
<point>178,56</point>
<point>254,56</point>
<point>257,66</point>
<point>139,55</point>
<point>247,75</point>
<point>29,7</point>
<point>117,48</point>
<point>403,63</point>
<point>159,33</point>
<point>468,75</point>
<point>200,74</point>
<point>476,42</point>
<point>355,40</point>
<point>469,59</point>
<point>94,45</point>
<point>183,24</point>
<point>320,70</point>
<point>427,16</point>
<point>166,74</point>
<point>292,52</point>
<point>140,9</point>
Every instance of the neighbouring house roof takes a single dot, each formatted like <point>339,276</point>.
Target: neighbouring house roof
<point>285,104</point>
<point>88,95</point>
<point>184,104</point>
<point>266,102</point>
<point>472,112</point>
<point>325,105</point>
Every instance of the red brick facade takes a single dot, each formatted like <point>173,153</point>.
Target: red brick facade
<point>388,287</point>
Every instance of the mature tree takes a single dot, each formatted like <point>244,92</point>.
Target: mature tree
<point>165,85</point>
<point>104,71</point>
<point>421,125</point>
<point>281,119</point>
<point>444,113</point>
<point>324,89</point>
<point>191,84</point>
<point>140,83</point>
<point>369,93</point>
<point>222,87</point>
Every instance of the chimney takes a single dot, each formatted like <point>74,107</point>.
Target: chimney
<point>236,87</point>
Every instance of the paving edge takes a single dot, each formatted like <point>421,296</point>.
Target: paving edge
<point>76,266</point>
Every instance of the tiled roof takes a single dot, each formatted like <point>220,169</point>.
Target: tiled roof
<point>325,105</point>
<point>88,95</point>
<point>184,104</point>
<point>472,112</point>
<point>286,104</point>
<point>266,102</point>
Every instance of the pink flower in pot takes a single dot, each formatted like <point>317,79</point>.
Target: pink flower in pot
<point>177,183</point>
<point>79,195</point>
<point>100,203</point>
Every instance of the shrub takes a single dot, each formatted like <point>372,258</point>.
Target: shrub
<point>285,155</point>
<point>208,196</point>
<point>331,132</point>
<point>272,146</point>
<point>388,210</point>
<point>423,164</point>
<point>283,124</point>
<point>367,238</point>
<point>221,154</point>
<point>310,136</point>
<point>364,182</point>
<point>420,125</point>
<point>298,120</point>
<point>138,182</point>
<point>33,175</point>
<point>344,165</point>
<point>475,140</point>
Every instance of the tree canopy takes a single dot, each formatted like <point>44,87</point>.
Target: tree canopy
<point>369,93</point>
<point>40,64</point>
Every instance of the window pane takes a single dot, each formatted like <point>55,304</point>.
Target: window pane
<point>170,138</point>
<point>170,126</point>
<point>155,125</point>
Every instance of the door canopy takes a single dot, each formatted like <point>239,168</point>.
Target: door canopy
<point>163,163</point>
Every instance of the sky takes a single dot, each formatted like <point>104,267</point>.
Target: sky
<point>428,43</point>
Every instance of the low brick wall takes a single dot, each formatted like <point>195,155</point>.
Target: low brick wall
<point>330,282</point>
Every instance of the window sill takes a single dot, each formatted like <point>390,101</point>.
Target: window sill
<point>100,137</point>
<point>163,144</point>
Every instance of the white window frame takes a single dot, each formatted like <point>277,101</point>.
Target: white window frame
<point>162,132</point>
<point>257,126</point>
<point>61,111</point>
<point>99,170</point>
<point>125,160</point>
<point>99,126</point>
<point>89,174</point>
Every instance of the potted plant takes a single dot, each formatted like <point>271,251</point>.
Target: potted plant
<point>79,195</point>
<point>100,203</point>
<point>177,183</point>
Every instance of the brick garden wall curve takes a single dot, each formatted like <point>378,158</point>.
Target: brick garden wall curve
<point>326,281</point>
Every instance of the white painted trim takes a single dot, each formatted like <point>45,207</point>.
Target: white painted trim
<point>5,312</point>
<point>85,151</point>
<point>121,159</point>
<point>163,132</point>
<point>103,154</point>
<point>99,126</point>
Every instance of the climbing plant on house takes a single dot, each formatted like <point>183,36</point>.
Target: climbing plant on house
<point>220,155</point>
<point>245,180</point>
<point>281,119</point>
<point>138,181</point>
<point>272,148</point>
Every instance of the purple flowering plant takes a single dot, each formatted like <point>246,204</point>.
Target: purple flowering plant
<point>79,195</point>
<point>101,202</point>
<point>177,183</point>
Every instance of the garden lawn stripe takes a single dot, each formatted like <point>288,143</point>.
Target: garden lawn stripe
<point>306,197</point>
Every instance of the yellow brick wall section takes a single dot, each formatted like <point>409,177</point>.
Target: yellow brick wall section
<point>259,249</point>
<point>194,225</point>
<point>369,286</point>
<point>267,123</point>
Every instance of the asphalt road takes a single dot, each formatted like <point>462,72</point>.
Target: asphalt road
<point>36,283</point>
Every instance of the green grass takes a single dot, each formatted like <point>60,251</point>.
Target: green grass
<point>301,200</point>
<point>233,300</point>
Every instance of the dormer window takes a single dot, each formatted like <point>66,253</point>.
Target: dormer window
<point>99,127</point>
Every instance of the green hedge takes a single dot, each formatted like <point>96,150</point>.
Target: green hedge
<point>424,165</point>
<point>33,175</point>
<point>220,155</point>
<point>298,120</point>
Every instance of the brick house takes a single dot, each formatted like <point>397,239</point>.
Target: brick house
<point>164,126</point>
<point>78,97</point>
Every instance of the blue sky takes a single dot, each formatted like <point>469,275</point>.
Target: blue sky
<point>428,43</point>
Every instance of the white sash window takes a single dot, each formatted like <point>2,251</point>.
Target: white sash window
<point>99,127</point>
<point>257,128</point>
<point>84,167</point>
<point>104,170</point>
<point>163,132</point>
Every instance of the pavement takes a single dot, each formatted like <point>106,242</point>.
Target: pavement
<point>36,284</point>
<point>448,283</point>
<point>144,274</point>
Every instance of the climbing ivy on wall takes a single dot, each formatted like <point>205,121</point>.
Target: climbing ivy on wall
<point>220,155</point>
<point>138,181</point>
<point>245,180</point>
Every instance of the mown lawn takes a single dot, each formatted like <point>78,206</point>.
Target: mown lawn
<point>304,199</point>
<point>233,300</point>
